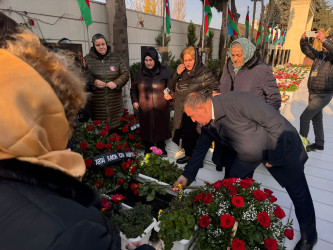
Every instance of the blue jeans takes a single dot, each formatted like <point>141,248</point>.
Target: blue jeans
<point>314,112</point>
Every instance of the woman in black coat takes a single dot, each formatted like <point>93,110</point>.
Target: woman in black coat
<point>191,76</point>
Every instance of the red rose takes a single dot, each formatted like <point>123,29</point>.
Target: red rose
<point>237,201</point>
<point>98,184</point>
<point>111,139</point>
<point>199,197</point>
<point>132,122</point>
<point>125,165</point>
<point>273,199</point>
<point>204,221</point>
<point>217,184</point>
<point>264,219</point>
<point>109,172</point>
<point>237,244</point>
<point>131,137</point>
<point>116,136</point>
<point>122,119</point>
<point>268,192</point>
<point>126,111</point>
<point>259,195</point>
<point>100,145</point>
<point>127,117</point>
<point>88,162</point>
<point>279,213</point>
<point>125,130</point>
<point>83,145</point>
<point>129,161</point>
<point>138,146</point>
<point>232,190</point>
<point>208,198</point>
<point>120,181</point>
<point>108,146</point>
<point>137,131</point>
<point>270,244</point>
<point>289,233</point>
<point>245,184</point>
<point>227,221</point>
<point>139,138</point>
<point>106,128</point>
<point>226,182</point>
<point>32,22</point>
<point>136,192</point>
<point>97,122</point>
<point>102,133</point>
<point>133,169</point>
<point>119,146</point>
<point>90,128</point>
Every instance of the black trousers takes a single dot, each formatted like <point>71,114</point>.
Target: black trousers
<point>298,192</point>
<point>189,134</point>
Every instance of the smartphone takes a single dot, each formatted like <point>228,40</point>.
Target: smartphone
<point>311,33</point>
<point>166,91</point>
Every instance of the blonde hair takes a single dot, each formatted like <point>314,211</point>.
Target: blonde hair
<point>66,83</point>
<point>190,51</point>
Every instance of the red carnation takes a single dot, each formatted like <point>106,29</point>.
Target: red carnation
<point>232,190</point>
<point>131,137</point>
<point>208,198</point>
<point>125,165</point>
<point>98,184</point>
<point>137,131</point>
<point>111,139</point>
<point>245,184</point>
<point>120,181</point>
<point>100,145</point>
<point>126,111</point>
<point>119,146</point>
<point>237,201</point>
<point>132,122</point>
<point>97,122</point>
<point>108,146</point>
<point>264,219</point>
<point>125,130</point>
<point>127,117</point>
<point>199,197</point>
<point>122,119</point>
<point>106,128</point>
<point>102,133</point>
<point>204,221</point>
<point>268,192</point>
<point>133,169</point>
<point>273,199</point>
<point>138,146</point>
<point>139,138</point>
<point>83,145</point>
<point>217,184</point>
<point>109,172</point>
<point>259,195</point>
<point>237,244</point>
<point>88,162</point>
<point>90,128</point>
<point>32,22</point>
<point>279,213</point>
<point>289,233</point>
<point>226,182</point>
<point>270,244</point>
<point>227,221</point>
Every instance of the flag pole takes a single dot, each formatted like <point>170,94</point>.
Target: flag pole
<point>163,23</point>
<point>203,27</point>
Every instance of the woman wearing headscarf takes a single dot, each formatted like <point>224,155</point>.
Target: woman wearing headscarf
<point>246,71</point>
<point>44,204</point>
<point>147,96</point>
<point>190,76</point>
<point>109,76</point>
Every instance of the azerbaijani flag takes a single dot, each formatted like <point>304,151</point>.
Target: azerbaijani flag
<point>268,33</point>
<point>247,23</point>
<point>284,38</point>
<point>85,11</point>
<point>276,36</point>
<point>232,27</point>
<point>271,36</point>
<point>259,33</point>
<point>208,16</point>
<point>281,37</point>
<point>167,16</point>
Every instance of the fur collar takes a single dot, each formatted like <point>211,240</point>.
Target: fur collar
<point>48,178</point>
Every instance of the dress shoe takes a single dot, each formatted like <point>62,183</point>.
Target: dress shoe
<point>305,245</point>
<point>314,146</point>
<point>183,160</point>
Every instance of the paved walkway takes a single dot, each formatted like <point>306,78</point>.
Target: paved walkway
<point>318,170</point>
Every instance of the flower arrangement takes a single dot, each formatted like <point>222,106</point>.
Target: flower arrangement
<point>230,214</point>
<point>130,130</point>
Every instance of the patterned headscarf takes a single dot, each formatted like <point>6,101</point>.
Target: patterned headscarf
<point>248,51</point>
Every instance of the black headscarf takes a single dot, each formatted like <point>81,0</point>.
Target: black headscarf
<point>96,37</point>
<point>151,52</point>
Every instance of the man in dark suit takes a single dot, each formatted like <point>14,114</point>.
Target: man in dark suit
<point>256,133</point>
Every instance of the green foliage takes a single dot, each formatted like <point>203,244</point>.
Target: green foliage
<point>323,16</point>
<point>158,39</point>
<point>135,67</point>
<point>173,64</point>
<point>210,44</point>
<point>214,66</point>
<point>132,222</point>
<point>191,35</point>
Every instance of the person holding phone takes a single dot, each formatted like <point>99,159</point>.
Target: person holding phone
<point>191,76</point>
<point>320,86</point>
<point>147,94</point>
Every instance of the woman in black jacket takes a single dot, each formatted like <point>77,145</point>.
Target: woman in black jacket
<point>191,76</point>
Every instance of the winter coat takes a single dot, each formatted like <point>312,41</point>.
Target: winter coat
<point>43,208</point>
<point>256,132</point>
<point>106,103</point>
<point>201,79</point>
<point>323,82</point>
<point>255,77</point>
<point>154,112</point>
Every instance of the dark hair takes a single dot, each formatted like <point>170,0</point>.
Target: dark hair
<point>8,27</point>
<point>64,40</point>
<point>98,36</point>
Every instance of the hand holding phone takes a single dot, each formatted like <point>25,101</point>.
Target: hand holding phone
<point>311,33</point>
<point>166,91</point>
